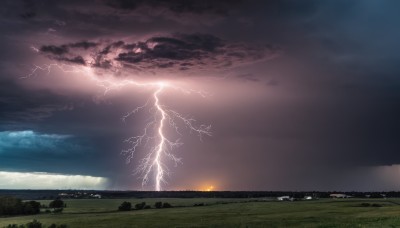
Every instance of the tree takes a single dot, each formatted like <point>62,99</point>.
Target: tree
<point>140,206</point>
<point>125,206</point>
<point>10,206</point>
<point>59,226</point>
<point>167,205</point>
<point>158,205</point>
<point>56,204</point>
<point>14,206</point>
<point>13,226</point>
<point>34,224</point>
<point>31,207</point>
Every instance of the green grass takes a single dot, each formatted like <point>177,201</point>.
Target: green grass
<point>234,213</point>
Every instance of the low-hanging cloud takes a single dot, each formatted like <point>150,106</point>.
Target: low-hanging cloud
<point>33,143</point>
<point>39,180</point>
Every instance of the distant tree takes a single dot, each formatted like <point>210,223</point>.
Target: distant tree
<point>10,206</point>
<point>14,206</point>
<point>158,205</point>
<point>34,224</point>
<point>57,203</point>
<point>125,206</point>
<point>59,226</point>
<point>147,207</point>
<point>140,206</point>
<point>13,226</point>
<point>31,207</point>
<point>167,205</point>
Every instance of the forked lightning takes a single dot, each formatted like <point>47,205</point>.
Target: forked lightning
<point>154,135</point>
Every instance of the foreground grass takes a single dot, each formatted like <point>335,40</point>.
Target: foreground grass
<point>223,213</point>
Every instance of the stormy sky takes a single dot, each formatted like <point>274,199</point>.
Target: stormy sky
<point>301,95</point>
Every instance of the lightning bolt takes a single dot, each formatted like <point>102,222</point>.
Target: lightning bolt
<point>154,137</point>
<point>155,132</point>
<point>160,146</point>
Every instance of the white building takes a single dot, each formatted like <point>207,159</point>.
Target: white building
<point>97,196</point>
<point>284,198</point>
<point>337,195</point>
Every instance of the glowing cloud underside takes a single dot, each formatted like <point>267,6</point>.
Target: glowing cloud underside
<point>20,180</point>
<point>154,136</point>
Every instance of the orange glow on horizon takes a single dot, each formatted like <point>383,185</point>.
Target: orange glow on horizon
<point>207,188</point>
<point>210,188</point>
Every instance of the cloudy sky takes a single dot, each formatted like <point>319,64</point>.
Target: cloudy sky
<point>300,95</point>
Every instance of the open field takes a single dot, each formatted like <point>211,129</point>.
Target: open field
<point>223,213</point>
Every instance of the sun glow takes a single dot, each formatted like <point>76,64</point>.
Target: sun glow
<point>210,188</point>
<point>207,188</point>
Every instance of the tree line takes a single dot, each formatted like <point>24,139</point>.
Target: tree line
<point>127,206</point>
<point>14,206</point>
<point>35,224</point>
<point>11,206</point>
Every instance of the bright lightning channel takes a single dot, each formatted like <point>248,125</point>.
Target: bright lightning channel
<point>154,132</point>
<point>160,146</point>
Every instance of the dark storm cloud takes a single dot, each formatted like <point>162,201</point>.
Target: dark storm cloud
<point>76,60</point>
<point>18,109</point>
<point>54,50</point>
<point>178,52</point>
<point>31,142</point>
<point>177,6</point>
<point>91,19</point>
<point>36,132</point>
<point>83,44</point>
<point>30,9</point>
<point>28,150</point>
<point>65,52</point>
<point>65,48</point>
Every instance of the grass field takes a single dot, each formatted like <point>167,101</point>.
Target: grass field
<point>223,213</point>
